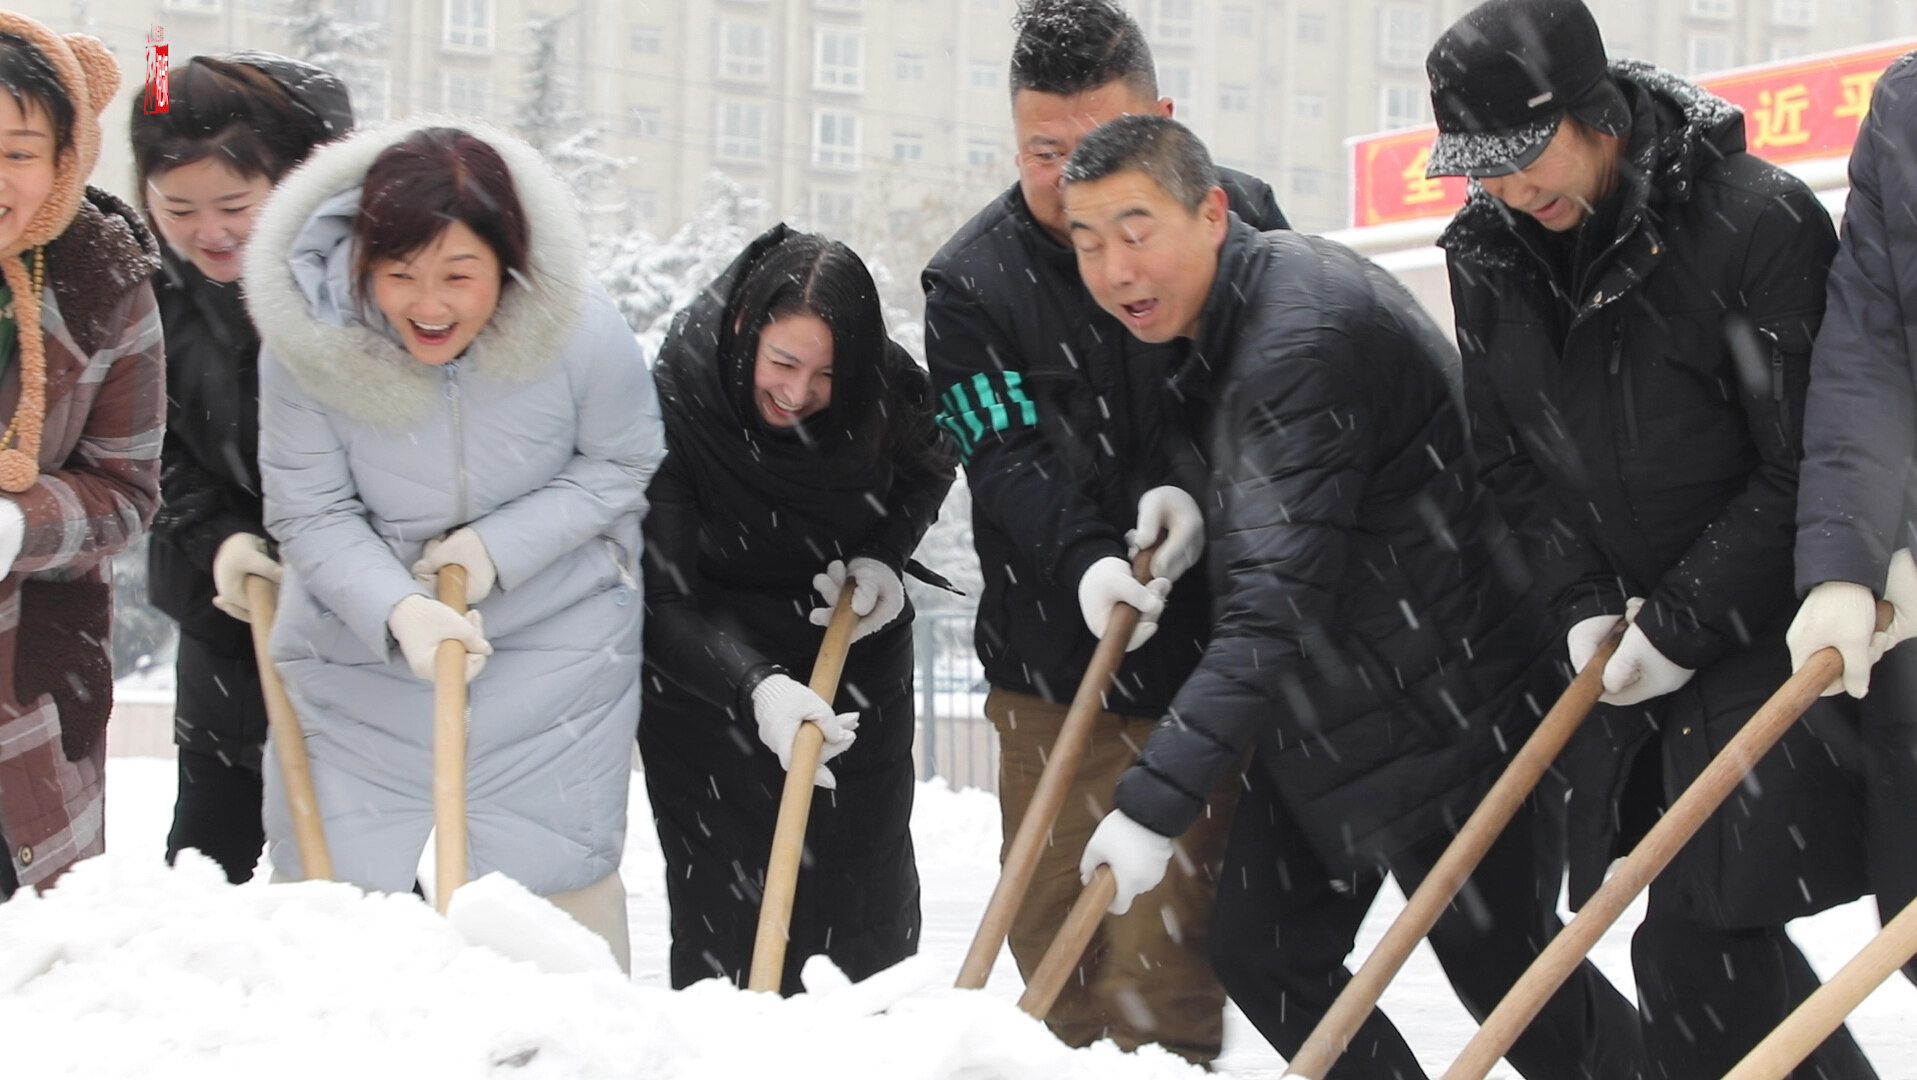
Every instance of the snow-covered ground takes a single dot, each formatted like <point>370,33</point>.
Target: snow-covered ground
<point>131,970</point>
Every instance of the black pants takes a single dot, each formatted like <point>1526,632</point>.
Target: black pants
<point>1889,726</point>
<point>1282,928</point>
<point>1708,996</point>
<point>219,724</point>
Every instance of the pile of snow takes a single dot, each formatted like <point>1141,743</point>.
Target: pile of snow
<point>129,969</point>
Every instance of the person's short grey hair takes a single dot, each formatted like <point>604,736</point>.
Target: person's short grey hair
<point>1158,146</point>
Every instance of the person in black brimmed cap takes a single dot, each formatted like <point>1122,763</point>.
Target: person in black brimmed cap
<point>1635,298</point>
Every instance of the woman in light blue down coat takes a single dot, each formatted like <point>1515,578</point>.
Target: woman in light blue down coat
<point>441,382</point>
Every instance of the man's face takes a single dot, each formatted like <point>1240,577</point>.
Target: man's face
<point>1048,128</point>
<point>1577,168</point>
<point>1145,258</point>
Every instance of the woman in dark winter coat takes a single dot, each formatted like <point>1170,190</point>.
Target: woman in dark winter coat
<point>204,167</point>
<point>1636,297</point>
<point>800,448</point>
<point>82,401</point>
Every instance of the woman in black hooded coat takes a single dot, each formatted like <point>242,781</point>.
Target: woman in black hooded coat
<point>800,443</point>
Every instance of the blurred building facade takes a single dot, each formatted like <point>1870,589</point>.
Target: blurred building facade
<point>867,116</point>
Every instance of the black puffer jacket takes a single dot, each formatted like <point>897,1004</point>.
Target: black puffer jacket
<point>1858,501</point>
<point>1058,412</point>
<point>1643,437</point>
<point>1376,633</point>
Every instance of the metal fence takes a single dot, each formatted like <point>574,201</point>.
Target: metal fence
<point>955,740</point>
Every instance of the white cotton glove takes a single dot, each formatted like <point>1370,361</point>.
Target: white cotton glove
<point>461,547</point>
<point>1172,512</point>
<point>781,703</point>
<point>420,623</point>
<point>1584,637</point>
<point>1137,856</point>
<point>1841,615</point>
<point>1108,583</point>
<point>1900,589</point>
<point>240,556</point>
<point>13,533</point>
<point>1637,671</point>
<point>877,594</point>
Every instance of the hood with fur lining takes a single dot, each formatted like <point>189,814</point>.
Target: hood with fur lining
<point>298,282</point>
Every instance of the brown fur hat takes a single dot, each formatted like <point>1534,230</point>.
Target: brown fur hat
<point>90,77</point>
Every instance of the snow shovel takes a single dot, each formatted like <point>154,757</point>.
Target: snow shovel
<point>1061,957</point>
<point>1061,766</point>
<point>1811,1023</point>
<point>1341,1022</point>
<point>795,805</point>
<point>1679,823</point>
<point>449,749</point>
<point>289,743</point>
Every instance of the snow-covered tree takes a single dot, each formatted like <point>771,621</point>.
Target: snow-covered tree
<point>319,35</point>
<point>546,120</point>
<point>542,112</point>
<point>650,280</point>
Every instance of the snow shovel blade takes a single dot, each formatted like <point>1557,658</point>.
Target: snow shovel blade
<point>1685,816</point>
<point>1054,783</point>
<point>1340,1023</point>
<point>449,749</point>
<point>1808,1025</point>
<point>289,742</point>
<point>795,805</point>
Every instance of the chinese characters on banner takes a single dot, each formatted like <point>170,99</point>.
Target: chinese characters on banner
<point>1793,111</point>
<point>157,71</point>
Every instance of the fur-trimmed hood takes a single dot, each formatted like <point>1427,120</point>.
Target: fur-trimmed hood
<point>299,282</point>
<point>1678,130</point>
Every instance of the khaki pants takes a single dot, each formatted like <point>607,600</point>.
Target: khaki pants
<point>1144,977</point>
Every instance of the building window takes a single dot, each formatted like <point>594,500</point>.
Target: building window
<point>908,146</point>
<point>1312,27</point>
<point>464,95</point>
<point>742,51</point>
<point>193,7</point>
<point>909,67</point>
<point>1175,82</point>
<point>1308,105</point>
<point>982,153</point>
<point>469,24</point>
<point>645,121</point>
<point>1234,21</point>
<point>834,209</point>
<point>1401,105</point>
<point>982,74</point>
<point>835,139</point>
<point>1402,40</point>
<point>1794,12</point>
<point>741,130</point>
<point>1234,97</point>
<point>647,40</point>
<point>1307,180</point>
<point>370,85</point>
<point>1709,9</point>
<point>1706,52</point>
<point>1175,22</point>
<point>1786,50</point>
<point>838,60</point>
<point>366,11</point>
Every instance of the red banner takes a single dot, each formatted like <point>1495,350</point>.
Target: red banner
<point>1793,110</point>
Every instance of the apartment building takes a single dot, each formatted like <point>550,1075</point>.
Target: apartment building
<point>890,117</point>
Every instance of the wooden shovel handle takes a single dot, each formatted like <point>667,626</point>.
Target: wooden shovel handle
<point>1568,949</point>
<point>1061,957</point>
<point>289,742</point>
<point>795,805</point>
<point>1428,903</point>
<point>449,748</point>
<point>1054,784</point>
<point>1808,1025</point>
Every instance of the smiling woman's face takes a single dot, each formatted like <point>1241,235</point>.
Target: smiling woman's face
<point>792,376</point>
<point>440,297</point>
<point>26,164</point>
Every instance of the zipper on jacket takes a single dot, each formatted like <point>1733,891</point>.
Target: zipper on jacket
<point>1626,387</point>
<point>459,442</point>
<point>1777,367</point>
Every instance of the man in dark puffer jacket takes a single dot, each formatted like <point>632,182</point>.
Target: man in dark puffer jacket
<point>1635,298</point>
<point>1374,633</point>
